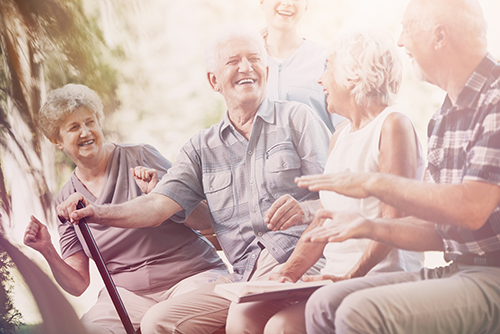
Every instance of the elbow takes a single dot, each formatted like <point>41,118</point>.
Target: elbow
<point>472,221</point>
<point>474,224</point>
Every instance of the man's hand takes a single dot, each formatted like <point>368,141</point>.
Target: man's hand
<point>286,212</point>
<point>344,226</point>
<point>37,236</point>
<point>276,276</point>
<point>313,278</point>
<point>67,209</point>
<point>146,178</point>
<point>345,183</point>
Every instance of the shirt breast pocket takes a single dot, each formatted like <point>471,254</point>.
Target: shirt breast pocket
<point>282,166</point>
<point>219,194</point>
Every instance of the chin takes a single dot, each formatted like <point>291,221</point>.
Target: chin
<point>418,73</point>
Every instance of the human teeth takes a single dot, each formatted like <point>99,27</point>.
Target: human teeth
<point>282,12</point>
<point>87,143</point>
<point>244,81</point>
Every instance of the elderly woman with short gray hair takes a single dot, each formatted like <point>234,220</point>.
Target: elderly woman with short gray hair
<point>148,265</point>
<point>362,78</point>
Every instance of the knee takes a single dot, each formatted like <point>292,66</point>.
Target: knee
<point>320,313</point>
<point>156,320</point>
<point>356,312</point>
<point>243,318</point>
<point>281,325</point>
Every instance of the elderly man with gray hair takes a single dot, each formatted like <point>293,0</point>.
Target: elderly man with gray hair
<point>244,167</point>
<point>457,209</point>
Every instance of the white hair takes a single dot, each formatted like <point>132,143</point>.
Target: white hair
<point>62,102</point>
<point>464,18</point>
<point>369,60</point>
<point>211,54</point>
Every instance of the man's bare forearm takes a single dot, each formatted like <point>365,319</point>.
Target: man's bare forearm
<point>467,205</point>
<point>145,211</point>
<point>409,233</point>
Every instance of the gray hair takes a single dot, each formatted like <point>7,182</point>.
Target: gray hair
<point>369,60</point>
<point>211,54</point>
<point>62,102</point>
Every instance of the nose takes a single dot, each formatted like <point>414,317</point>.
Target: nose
<point>320,79</point>
<point>85,131</point>
<point>400,40</point>
<point>245,66</point>
<point>287,2</point>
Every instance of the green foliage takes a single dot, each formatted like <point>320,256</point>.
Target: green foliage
<point>10,317</point>
<point>45,44</point>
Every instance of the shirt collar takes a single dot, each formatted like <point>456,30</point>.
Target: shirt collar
<point>265,112</point>
<point>474,85</point>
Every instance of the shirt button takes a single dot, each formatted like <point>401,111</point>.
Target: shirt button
<point>211,188</point>
<point>449,249</point>
<point>259,234</point>
<point>285,165</point>
<point>250,152</point>
<point>253,256</point>
<point>254,210</point>
<point>251,181</point>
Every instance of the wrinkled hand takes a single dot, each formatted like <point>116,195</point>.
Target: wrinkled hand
<point>344,226</point>
<point>37,236</point>
<point>345,183</point>
<point>286,212</point>
<point>146,178</point>
<point>67,209</point>
<point>276,276</point>
<point>312,278</point>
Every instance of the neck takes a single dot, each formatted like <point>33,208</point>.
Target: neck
<point>242,120</point>
<point>362,116</point>
<point>89,171</point>
<point>457,73</point>
<point>282,44</point>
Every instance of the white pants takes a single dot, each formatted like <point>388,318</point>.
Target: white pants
<point>103,318</point>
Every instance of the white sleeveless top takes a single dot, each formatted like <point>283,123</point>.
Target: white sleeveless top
<point>359,152</point>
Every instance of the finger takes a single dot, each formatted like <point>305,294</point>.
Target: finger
<point>274,207</point>
<point>282,215</point>
<point>312,278</point>
<point>325,214</point>
<point>295,219</point>
<point>80,214</point>
<point>305,180</point>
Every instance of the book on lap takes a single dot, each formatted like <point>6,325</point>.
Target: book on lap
<point>243,292</point>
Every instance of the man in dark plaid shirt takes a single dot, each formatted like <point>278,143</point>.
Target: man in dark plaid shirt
<point>456,211</point>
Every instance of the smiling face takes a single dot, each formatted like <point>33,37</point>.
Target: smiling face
<point>241,73</point>
<point>338,97</point>
<point>80,136</point>
<point>284,14</point>
<point>417,39</point>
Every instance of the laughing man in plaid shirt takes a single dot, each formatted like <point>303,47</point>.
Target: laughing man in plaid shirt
<point>456,211</point>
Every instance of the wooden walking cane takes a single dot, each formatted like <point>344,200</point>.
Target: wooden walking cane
<point>106,277</point>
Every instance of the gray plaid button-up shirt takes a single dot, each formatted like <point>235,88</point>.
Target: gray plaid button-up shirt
<point>464,144</point>
<point>240,178</point>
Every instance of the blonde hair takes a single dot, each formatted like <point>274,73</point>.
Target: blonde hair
<point>369,61</point>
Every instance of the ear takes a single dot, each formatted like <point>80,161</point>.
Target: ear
<point>267,73</point>
<point>440,36</point>
<point>56,143</point>
<point>212,80</point>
